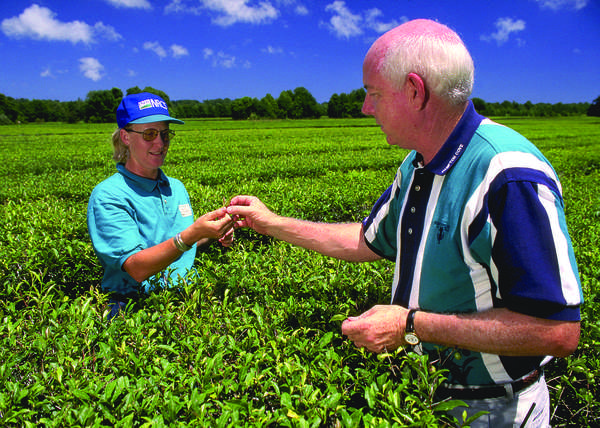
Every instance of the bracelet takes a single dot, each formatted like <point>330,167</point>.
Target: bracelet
<point>181,246</point>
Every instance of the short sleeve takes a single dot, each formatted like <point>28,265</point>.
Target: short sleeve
<point>532,252</point>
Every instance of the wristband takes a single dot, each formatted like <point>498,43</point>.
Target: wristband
<point>410,335</point>
<point>181,246</point>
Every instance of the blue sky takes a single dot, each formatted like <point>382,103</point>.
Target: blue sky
<point>524,50</point>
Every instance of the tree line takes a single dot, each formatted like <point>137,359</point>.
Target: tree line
<point>100,106</point>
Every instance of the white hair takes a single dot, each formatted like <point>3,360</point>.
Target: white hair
<point>441,59</point>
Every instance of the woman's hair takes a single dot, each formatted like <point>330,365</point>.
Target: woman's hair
<point>120,150</point>
<point>438,56</point>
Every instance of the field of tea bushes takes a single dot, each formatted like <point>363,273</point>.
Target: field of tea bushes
<point>253,337</point>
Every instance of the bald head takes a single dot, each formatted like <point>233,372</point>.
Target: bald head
<point>429,49</point>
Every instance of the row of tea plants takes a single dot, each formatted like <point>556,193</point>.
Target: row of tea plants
<point>253,336</point>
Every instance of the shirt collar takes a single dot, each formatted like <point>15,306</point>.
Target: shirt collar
<point>146,184</point>
<point>456,143</point>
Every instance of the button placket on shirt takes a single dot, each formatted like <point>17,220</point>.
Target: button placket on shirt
<point>164,200</point>
<point>419,176</point>
<point>412,224</point>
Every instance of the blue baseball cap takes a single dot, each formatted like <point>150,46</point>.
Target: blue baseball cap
<point>143,108</point>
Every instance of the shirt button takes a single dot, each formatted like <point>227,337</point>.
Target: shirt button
<point>417,188</point>
<point>410,231</point>
<point>413,209</point>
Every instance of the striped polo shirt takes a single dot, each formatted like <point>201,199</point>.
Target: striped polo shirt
<point>481,226</point>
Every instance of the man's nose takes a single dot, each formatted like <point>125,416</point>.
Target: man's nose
<point>367,107</point>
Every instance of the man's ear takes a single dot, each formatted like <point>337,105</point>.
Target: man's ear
<point>416,91</point>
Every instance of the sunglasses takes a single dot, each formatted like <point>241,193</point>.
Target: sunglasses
<point>150,134</point>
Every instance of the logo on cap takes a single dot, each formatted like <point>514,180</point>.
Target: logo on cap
<point>152,102</point>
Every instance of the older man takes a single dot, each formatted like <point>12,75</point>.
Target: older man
<point>485,277</point>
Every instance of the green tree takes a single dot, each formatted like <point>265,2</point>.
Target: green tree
<point>480,106</point>
<point>285,102</point>
<point>594,109</point>
<point>187,108</point>
<point>74,111</point>
<point>243,108</point>
<point>346,105</point>
<point>306,105</point>
<point>218,107</point>
<point>134,90</point>
<point>356,100</point>
<point>267,107</point>
<point>100,106</point>
<point>335,108</point>
<point>8,109</point>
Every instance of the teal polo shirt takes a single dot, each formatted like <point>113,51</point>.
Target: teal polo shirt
<point>127,213</point>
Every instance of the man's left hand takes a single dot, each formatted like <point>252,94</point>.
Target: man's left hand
<point>380,329</point>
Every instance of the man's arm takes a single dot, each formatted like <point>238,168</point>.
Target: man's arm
<point>343,241</point>
<point>501,332</point>
<point>496,331</point>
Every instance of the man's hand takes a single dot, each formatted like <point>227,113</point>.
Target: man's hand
<point>249,211</point>
<point>380,329</point>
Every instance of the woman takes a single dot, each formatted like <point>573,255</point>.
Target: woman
<point>140,221</point>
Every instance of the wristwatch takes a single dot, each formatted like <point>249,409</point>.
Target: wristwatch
<point>410,336</point>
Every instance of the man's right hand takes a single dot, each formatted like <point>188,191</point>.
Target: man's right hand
<point>249,211</point>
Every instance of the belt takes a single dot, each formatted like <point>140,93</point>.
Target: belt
<point>484,392</point>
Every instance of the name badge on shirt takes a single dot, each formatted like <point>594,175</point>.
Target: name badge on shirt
<point>185,210</point>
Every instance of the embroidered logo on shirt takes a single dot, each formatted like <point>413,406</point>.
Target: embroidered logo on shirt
<point>185,210</point>
<point>442,229</point>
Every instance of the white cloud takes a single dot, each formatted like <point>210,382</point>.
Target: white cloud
<point>563,4</point>
<point>131,4</point>
<point>227,12</point>
<point>345,24</point>
<point>233,11</point>
<point>223,60</point>
<point>178,51</point>
<point>48,72</point>
<point>107,31</point>
<point>40,23</point>
<point>301,10</point>
<point>91,68</point>
<point>504,28</point>
<point>180,6</point>
<point>373,22</point>
<point>272,50</point>
<point>156,48</point>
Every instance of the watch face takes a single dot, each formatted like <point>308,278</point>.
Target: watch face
<point>411,339</point>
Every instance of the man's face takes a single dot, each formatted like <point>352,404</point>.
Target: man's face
<point>386,104</point>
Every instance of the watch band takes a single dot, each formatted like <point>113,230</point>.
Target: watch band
<point>410,335</point>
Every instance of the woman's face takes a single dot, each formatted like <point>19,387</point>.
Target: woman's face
<point>145,157</point>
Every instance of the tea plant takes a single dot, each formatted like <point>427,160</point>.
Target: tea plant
<point>253,336</point>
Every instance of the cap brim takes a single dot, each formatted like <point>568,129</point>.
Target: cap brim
<point>157,118</point>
